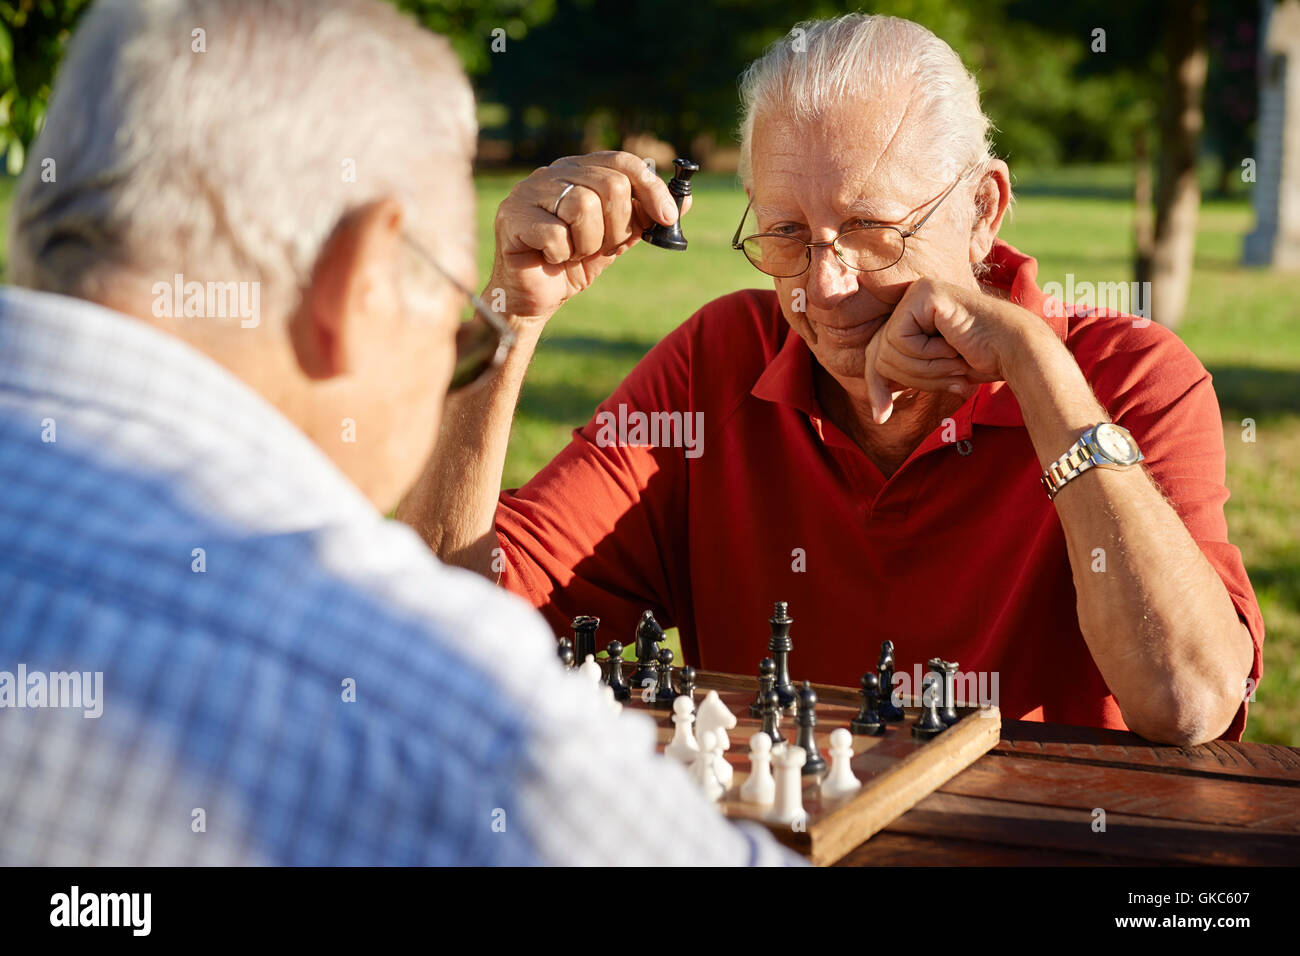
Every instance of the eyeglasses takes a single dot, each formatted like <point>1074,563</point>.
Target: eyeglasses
<point>864,248</point>
<point>483,338</point>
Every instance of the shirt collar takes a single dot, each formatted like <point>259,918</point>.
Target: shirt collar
<point>788,378</point>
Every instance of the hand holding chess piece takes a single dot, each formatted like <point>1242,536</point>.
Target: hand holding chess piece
<point>563,225</point>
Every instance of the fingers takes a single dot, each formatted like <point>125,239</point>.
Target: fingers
<point>583,206</point>
<point>889,369</point>
<point>647,188</point>
<point>537,229</point>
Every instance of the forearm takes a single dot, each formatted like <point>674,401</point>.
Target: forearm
<point>453,505</point>
<point>1158,620</point>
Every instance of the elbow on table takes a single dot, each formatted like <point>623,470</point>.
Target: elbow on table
<point>1184,718</point>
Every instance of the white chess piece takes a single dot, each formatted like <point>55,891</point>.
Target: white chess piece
<point>713,715</point>
<point>840,781</point>
<point>788,761</point>
<point>590,669</point>
<point>721,767</point>
<point>614,706</point>
<point>760,788</point>
<point>702,771</point>
<point>683,746</point>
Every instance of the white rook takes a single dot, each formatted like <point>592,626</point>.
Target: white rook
<point>788,761</point>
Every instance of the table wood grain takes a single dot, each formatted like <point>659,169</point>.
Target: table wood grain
<point>1031,800</point>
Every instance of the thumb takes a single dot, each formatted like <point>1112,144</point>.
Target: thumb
<point>879,393</point>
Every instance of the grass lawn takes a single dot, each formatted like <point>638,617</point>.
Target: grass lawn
<point>1244,325</point>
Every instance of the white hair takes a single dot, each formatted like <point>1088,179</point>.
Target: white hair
<point>227,138</point>
<point>824,62</point>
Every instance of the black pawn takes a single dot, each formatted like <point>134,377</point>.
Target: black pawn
<point>929,726</point>
<point>780,645</point>
<point>868,721</point>
<point>664,694</point>
<point>889,711</point>
<point>946,674</point>
<point>766,682</point>
<point>564,650</point>
<point>772,717</point>
<point>614,673</point>
<point>686,686</point>
<point>807,720</point>
<point>584,637</point>
<point>670,237</point>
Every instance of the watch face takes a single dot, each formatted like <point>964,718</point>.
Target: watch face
<point>1115,443</point>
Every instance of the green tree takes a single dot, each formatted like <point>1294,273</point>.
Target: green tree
<point>33,34</point>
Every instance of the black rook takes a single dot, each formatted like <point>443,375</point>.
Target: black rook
<point>670,237</point>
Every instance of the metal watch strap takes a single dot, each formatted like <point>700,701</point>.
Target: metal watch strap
<point>1069,466</point>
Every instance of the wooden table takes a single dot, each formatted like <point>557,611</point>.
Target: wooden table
<point>1031,800</point>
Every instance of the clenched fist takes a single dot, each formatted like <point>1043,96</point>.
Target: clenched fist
<point>563,225</point>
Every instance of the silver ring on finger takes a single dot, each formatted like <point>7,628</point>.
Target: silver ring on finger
<point>555,210</point>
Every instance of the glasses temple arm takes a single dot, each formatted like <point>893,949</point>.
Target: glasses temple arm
<point>735,240</point>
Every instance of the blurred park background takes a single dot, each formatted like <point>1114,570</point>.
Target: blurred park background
<point>1106,169</point>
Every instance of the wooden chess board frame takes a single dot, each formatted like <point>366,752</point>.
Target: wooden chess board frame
<point>896,769</point>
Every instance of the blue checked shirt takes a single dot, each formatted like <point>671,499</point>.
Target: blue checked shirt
<point>287,677</point>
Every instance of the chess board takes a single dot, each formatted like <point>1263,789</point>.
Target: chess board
<point>896,769</point>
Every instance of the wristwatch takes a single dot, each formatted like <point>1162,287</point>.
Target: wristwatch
<point>1105,445</point>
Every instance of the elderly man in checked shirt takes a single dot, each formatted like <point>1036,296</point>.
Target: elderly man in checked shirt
<point>243,267</point>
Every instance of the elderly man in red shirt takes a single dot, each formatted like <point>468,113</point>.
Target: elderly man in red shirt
<point>904,438</point>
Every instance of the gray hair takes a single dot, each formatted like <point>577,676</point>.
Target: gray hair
<point>823,62</point>
<point>226,138</point>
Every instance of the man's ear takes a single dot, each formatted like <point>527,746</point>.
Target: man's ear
<point>350,290</point>
<point>992,197</point>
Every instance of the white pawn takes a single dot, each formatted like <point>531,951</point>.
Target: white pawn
<point>760,788</point>
<point>840,781</point>
<point>713,715</point>
<point>702,771</point>
<point>683,746</point>
<point>615,707</point>
<point>789,761</point>
<point>590,669</point>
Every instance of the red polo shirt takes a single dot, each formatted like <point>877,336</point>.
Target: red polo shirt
<point>959,554</point>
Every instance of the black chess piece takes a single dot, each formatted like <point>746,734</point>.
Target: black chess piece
<point>649,635</point>
<point>584,637</point>
<point>772,717</point>
<point>614,670</point>
<point>686,686</point>
<point>807,720</point>
<point>670,237</point>
<point>780,645</point>
<point>564,645</point>
<point>889,711</point>
<point>868,721</point>
<point>664,695</point>
<point>928,725</point>
<point>766,682</point>
<point>946,672</point>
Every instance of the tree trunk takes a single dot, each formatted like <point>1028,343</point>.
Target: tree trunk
<point>1168,264</point>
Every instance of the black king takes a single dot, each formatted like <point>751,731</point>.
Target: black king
<point>779,646</point>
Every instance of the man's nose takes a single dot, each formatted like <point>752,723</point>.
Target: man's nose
<point>828,279</point>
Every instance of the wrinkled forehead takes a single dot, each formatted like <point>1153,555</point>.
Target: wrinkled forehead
<point>863,156</point>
